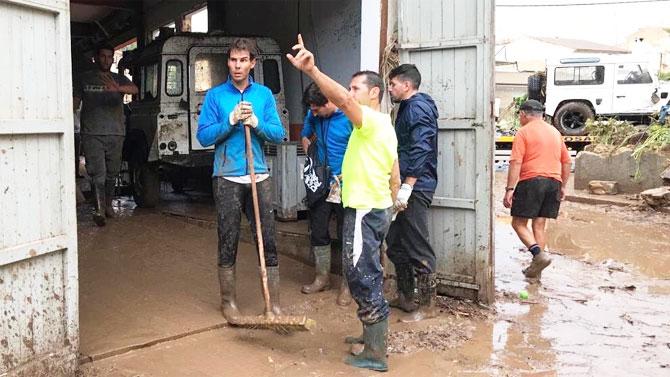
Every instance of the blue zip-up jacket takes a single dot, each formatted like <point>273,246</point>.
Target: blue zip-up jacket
<point>338,129</point>
<point>416,128</point>
<point>214,128</point>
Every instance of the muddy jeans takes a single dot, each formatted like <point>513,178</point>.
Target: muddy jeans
<point>408,239</point>
<point>363,233</point>
<point>103,157</point>
<point>231,199</point>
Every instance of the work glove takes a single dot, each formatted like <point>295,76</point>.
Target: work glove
<point>241,112</point>
<point>251,121</point>
<point>403,196</point>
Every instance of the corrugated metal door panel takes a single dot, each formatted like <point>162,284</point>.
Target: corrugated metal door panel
<point>38,244</point>
<point>451,43</point>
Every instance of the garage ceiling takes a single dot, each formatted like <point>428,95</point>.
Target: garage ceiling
<point>96,21</point>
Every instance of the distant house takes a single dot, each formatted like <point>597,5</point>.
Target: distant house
<point>530,53</point>
<point>652,41</point>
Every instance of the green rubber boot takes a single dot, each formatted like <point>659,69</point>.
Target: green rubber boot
<point>373,356</point>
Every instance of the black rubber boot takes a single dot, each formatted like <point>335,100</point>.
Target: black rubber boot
<point>427,297</point>
<point>228,294</point>
<point>373,357</point>
<point>273,286</point>
<point>406,299</point>
<point>322,267</point>
<point>99,212</point>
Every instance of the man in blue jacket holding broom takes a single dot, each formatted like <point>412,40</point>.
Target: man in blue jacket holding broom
<point>228,108</point>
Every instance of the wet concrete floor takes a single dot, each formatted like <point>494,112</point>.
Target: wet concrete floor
<point>148,281</point>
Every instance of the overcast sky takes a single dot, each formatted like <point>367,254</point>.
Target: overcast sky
<point>605,23</point>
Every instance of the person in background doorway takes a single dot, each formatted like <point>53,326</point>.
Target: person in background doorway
<point>100,93</point>
<point>538,174</point>
<point>331,129</point>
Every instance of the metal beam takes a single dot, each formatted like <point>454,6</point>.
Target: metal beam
<point>133,5</point>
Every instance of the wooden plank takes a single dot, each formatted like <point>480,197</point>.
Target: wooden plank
<point>32,249</point>
<point>31,126</point>
<point>456,203</point>
<point>442,44</point>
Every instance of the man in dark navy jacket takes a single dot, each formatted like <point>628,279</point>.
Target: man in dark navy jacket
<point>408,240</point>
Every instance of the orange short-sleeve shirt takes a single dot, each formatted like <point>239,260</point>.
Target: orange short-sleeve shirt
<point>541,151</point>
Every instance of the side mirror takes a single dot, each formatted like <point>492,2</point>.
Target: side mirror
<point>654,97</point>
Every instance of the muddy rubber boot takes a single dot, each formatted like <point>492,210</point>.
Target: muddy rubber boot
<point>273,286</point>
<point>427,297</point>
<point>355,339</point>
<point>344,295</point>
<point>228,294</point>
<point>110,187</point>
<point>406,300</point>
<point>539,263</point>
<point>99,212</point>
<point>373,356</point>
<point>322,267</point>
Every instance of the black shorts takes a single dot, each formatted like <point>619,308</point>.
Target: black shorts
<point>537,197</point>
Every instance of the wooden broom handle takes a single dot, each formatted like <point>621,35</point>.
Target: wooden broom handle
<point>257,218</point>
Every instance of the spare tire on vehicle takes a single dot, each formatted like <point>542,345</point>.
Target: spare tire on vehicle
<point>535,83</point>
<point>570,119</point>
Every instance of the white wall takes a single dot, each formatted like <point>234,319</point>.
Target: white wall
<point>330,28</point>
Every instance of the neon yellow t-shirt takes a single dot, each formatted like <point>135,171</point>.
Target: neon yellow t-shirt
<point>368,161</point>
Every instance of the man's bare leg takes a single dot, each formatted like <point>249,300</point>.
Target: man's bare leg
<point>534,241</point>
<point>520,226</point>
<point>539,225</point>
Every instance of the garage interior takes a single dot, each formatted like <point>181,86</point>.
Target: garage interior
<point>157,281</point>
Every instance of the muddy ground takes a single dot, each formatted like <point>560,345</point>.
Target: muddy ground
<point>149,305</point>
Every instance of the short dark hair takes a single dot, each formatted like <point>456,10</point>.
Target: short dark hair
<point>372,80</point>
<point>407,72</point>
<point>103,47</point>
<point>244,44</point>
<point>313,96</point>
<point>532,107</point>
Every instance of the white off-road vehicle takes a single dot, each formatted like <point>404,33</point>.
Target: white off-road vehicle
<point>580,88</point>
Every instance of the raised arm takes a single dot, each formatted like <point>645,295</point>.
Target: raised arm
<point>336,93</point>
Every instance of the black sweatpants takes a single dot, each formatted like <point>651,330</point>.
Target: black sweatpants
<point>319,222</point>
<point>408,239</point>
<point>231,199</point>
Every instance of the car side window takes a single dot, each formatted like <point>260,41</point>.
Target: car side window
<point>581,75</point>
<point>627,74</point>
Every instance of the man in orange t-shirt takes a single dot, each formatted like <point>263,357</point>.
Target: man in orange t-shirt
<point>538,173</point>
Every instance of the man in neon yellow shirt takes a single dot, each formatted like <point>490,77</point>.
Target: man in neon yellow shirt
<point>370,183</point>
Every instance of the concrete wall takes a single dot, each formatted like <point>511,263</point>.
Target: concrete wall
<point>622,168</point>
<point>331,29</point>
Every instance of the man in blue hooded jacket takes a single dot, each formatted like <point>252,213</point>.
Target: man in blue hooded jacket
<point>331,129</point>
<point>408,240</point>
<point>227,109</point>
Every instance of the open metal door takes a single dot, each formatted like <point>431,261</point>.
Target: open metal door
<point>451,42</point>
<point>38,235</point>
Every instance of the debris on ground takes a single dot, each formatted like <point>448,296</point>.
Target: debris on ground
<point>603,187</point>
<point>657,197</point>
<point>464,308</point>
<point>441,337</point>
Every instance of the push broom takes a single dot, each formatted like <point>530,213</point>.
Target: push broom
<point>279,323</point>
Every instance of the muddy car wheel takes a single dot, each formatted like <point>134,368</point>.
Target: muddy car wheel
<point>570,119</point>
<point>145,184</point>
